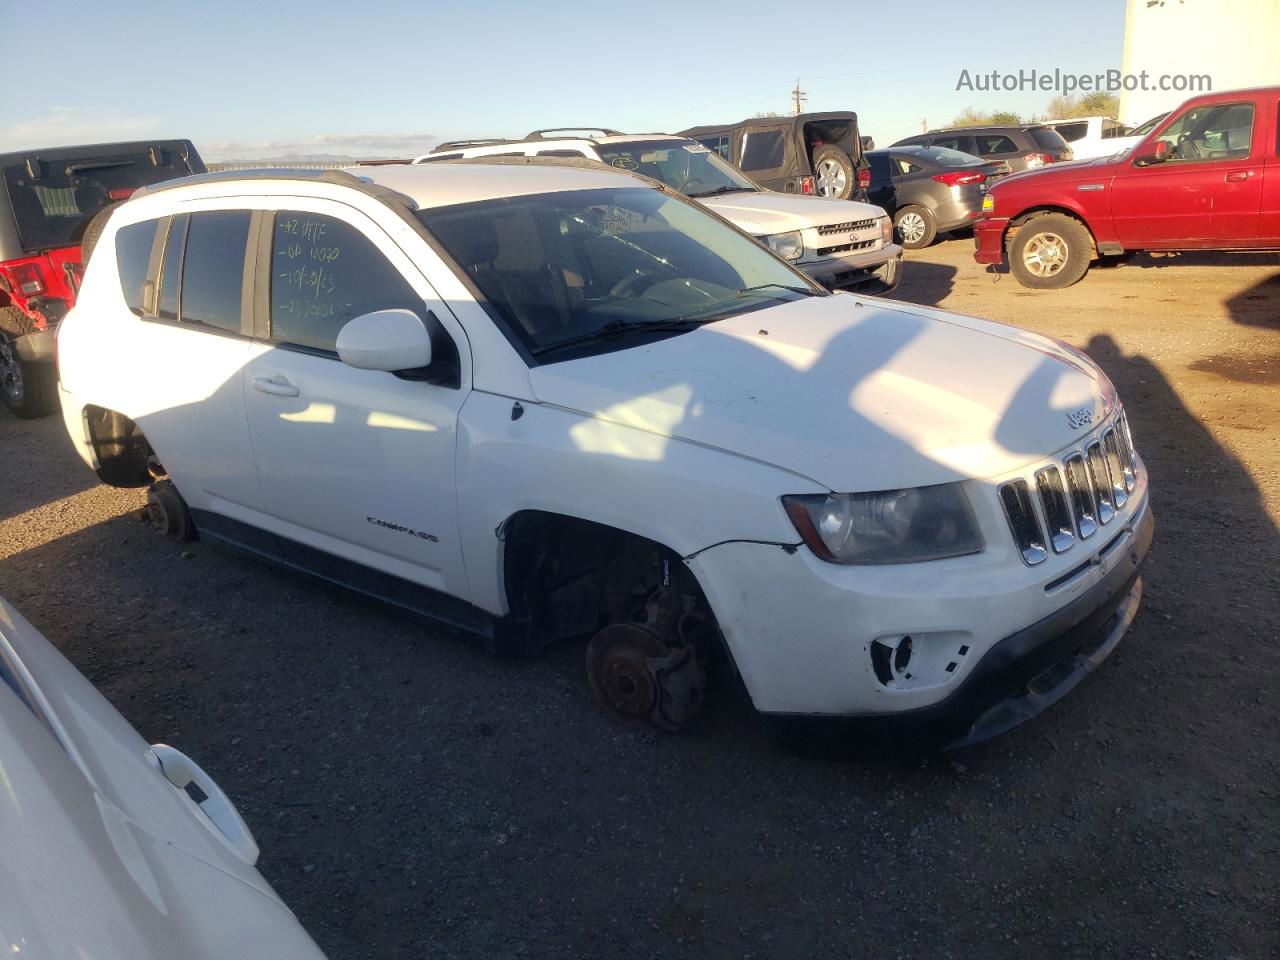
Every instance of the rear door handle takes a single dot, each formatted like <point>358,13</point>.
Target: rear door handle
<point>277,386</point>
<point>1236,176</point>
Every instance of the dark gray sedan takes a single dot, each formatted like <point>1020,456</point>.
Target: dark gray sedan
<point>929,190</point>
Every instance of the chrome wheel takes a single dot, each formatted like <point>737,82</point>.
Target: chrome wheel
<point>831,179</point>
<point>1045,255</point>
<point>911,227</point>
<point>11,374</point>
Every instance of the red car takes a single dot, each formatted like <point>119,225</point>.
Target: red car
<point>1206,178</point>
<point>51,202</point>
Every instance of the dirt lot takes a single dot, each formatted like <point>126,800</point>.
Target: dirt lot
<point>414,798</point>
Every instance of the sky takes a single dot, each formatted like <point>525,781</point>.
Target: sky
<point>250,81</point>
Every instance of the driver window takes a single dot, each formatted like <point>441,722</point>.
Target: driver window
<point>325,272</point>
<point>1220,131</point>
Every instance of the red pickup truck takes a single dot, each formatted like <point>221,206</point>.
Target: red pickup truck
<point>1206,178</point>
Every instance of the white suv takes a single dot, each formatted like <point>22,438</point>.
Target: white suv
<point>843,244</point>
<point>541,401</point>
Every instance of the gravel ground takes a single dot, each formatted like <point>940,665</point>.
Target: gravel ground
<point>415,798</point>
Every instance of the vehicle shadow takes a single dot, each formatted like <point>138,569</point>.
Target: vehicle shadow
<point>924,283</point>
<point>1259,305</point>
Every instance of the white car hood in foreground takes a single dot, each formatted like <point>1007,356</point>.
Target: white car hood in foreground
<point>767,212</point>
<point>102,858</point>
<point>854,394</point>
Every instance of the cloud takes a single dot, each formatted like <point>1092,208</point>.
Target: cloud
<point>322,146</point>
<point>61,126</point>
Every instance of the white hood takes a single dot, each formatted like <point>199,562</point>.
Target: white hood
<point>854,394</point>
<point>767,212</point>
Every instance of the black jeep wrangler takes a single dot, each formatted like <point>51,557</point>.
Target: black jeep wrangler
<point>53,205</point>
<point>813,153</point>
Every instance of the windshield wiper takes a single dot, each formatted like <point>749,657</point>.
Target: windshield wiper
<point>719,190</point>
<point>777,286</point>
<point>617,327</point>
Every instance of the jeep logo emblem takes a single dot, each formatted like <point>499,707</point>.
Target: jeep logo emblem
<point>1080,418</point>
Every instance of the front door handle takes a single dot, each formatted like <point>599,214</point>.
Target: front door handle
<point>1237,176</point>
<point>277,386</point>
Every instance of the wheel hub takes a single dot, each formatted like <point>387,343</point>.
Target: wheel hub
<point>831,179</point>
<point>1045,255</point>
<point>635,676</point>
<point>911,227</point>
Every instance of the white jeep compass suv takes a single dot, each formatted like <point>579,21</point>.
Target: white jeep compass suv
<point>843,244</point>
<point>540,402</point>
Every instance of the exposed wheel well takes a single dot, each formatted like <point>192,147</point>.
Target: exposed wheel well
<point>1028,215</point>
<point>123,454</point>
<point>567,577</point>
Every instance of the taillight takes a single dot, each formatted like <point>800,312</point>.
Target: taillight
<point>124,193</point>
<point>864,179</point>
<point>957,177</point>
<point>1047,157</point>
<point>26,277</point>
<point>806,185</point>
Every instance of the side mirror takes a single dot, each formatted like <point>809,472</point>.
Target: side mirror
<point>1158,153</point>
<point>389,340</point>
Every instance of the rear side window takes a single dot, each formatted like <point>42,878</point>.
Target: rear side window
<point>324,272</point>
<point>720,145</point>
<point>953,142</point>
<point>1071,132</point>
<point>1047,139</point>
<point>994,143</point>
<point>133,257</point>
<point>213,269</point>
<point>762,150</point>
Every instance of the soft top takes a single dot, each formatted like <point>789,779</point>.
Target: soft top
<point>796,122</point>
<point>48,194</point>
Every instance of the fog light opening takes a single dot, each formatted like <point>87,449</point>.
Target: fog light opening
<point>891,659</point>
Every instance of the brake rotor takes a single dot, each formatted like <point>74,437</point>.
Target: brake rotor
<point>618,668</point>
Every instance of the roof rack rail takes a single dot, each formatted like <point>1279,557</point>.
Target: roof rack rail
<point>464,144</point>
<point>542,134</point>
<point>340,177</point>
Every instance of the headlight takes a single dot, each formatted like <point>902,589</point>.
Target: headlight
<point>886,230</point>
<point>890,526</point>
<point>988,203</point>
<point>789,246</point>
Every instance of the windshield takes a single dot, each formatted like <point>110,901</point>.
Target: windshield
<point>602,268</point>
<point>53,209</point>
<point>683,165</point>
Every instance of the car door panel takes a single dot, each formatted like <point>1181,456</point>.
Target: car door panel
<point>1208,194</point>
<point>190,404</point>
<point>355,463</point>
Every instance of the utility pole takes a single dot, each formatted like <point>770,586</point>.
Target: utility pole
<point>924,125</point>
<point>798,97</point>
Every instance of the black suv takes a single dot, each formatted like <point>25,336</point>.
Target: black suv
<point>1023,148</point>
<point>814,153</point>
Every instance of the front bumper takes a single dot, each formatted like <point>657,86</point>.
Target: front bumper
<point>875,271</point>
<point>1017,679</point>
<point>988,240</point>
